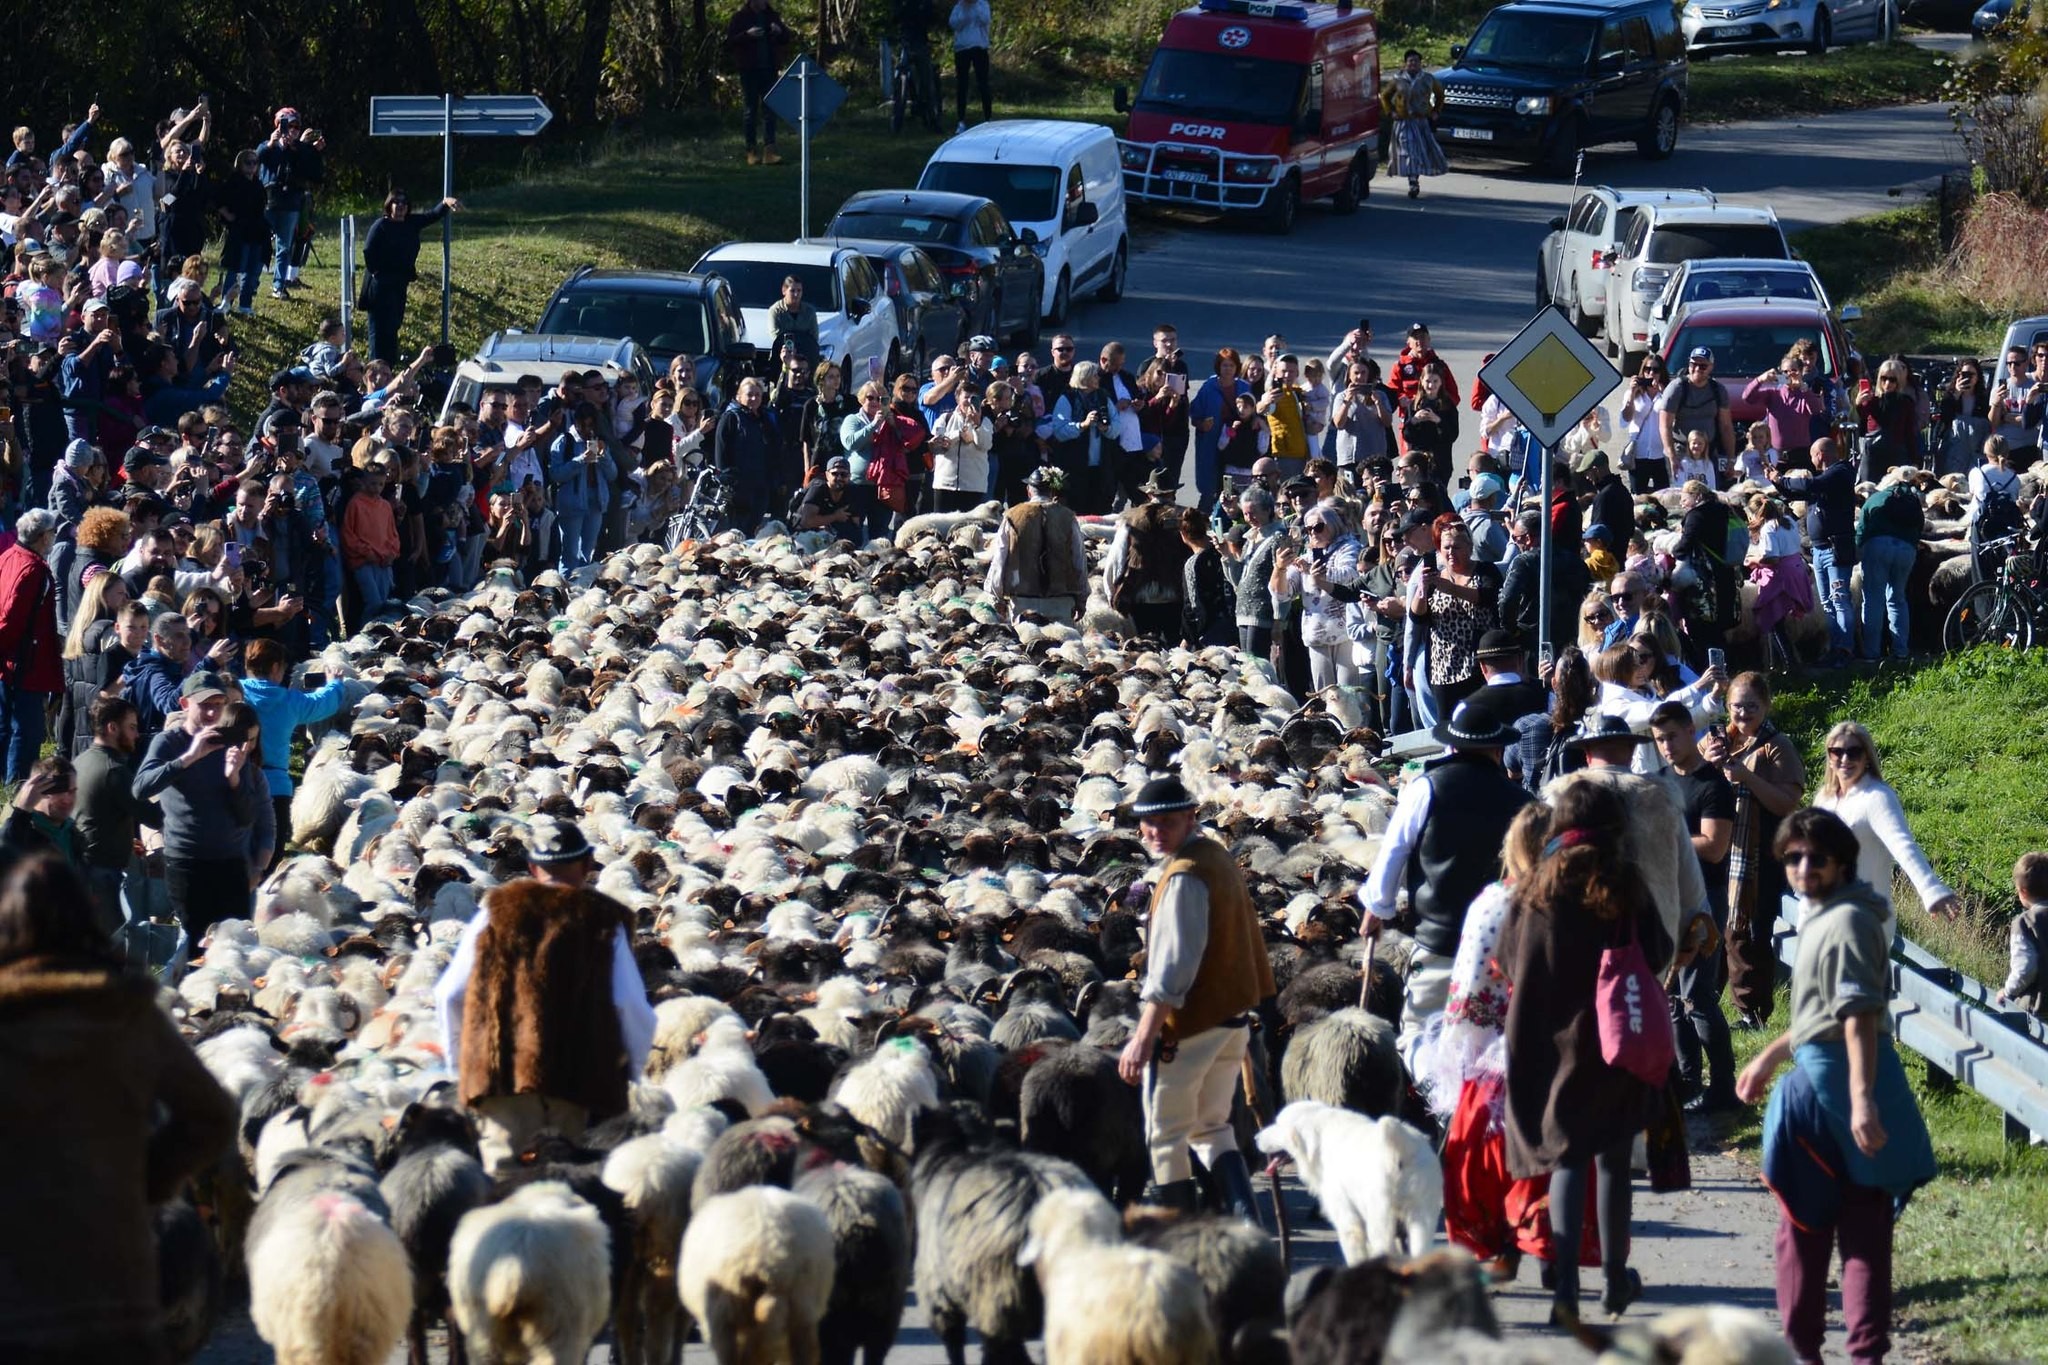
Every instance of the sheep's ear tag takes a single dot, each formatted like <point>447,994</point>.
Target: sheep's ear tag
<point>1008,937</point>
<point>1130,976</point>
<point>390,1121</point>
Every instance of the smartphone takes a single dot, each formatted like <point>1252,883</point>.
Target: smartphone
<point>874,368</point>
<point>231,554</point>
<point>1546,656</point>
<point>235,734</point>
<point>1717,658</point>
<point>1465,481</point>
<point>1177,383</point>
<point>314,679</point>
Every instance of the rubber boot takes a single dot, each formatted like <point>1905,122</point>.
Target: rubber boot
<point>1182,1196</point>
<point>1234,1182</point>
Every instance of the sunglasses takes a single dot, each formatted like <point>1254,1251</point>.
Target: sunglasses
<point>1622,596</point>
<point>1797,856</point>
<point>1318,526</point>
<point>1697,364</point>
<point>1598,618</point>
<point>1062,350</point>
<point>1845,752</point>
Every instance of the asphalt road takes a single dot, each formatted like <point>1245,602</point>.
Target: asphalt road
<point>1463,257</point>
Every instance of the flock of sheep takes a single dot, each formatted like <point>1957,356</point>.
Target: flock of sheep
<point>888,914</point>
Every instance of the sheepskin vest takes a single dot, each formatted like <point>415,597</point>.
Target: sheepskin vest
<point>1043,536</point>
<point>540,1019</point>
<point>1153,557</point>
<point>1235,974</point>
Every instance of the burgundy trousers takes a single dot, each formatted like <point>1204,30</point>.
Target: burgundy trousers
<point>1864,1231</point>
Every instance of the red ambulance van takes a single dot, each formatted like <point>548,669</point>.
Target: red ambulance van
<point>1251,106</point>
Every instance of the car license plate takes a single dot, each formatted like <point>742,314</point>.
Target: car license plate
<point>1190,177</point>
<point>1732,31</point>
<point>1473,134</point>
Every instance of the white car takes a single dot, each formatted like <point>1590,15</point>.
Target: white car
<point>1815,25</point>
<point>1061,185</point>
<point>856,317</point>
<point>1734,279</point>
<point>1661,239</point>
<point>1576,261</point>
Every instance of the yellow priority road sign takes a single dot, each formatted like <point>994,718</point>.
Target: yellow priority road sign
<point>1549,376</point>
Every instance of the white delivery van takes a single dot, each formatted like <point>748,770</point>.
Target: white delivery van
<point>1061,185</point>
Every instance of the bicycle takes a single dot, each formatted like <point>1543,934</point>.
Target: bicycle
<point>913,84</point>
<point>2008,610</point>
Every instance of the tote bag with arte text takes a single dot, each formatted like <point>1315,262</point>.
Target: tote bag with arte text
<point>1634,1013</point>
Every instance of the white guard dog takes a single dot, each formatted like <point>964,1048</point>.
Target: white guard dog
<point>1378,1180</point>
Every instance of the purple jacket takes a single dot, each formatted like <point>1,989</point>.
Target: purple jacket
<point>1796,416</point>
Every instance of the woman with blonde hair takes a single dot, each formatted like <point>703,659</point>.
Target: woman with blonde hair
<point>1892,421</point>
<point>1596,614</point>
<point>1853,787</point>
<point>93,656</point>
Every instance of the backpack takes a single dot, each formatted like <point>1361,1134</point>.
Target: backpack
<point>1997,513</point>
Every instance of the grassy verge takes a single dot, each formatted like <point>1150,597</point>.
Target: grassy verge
<point>1774,85</point>
<point>1891,266</point>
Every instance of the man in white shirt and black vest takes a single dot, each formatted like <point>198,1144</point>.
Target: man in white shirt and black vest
<point>1205,972</point>
<point>1443,844</point>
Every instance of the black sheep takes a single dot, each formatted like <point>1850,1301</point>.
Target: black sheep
<point>431,1178</point>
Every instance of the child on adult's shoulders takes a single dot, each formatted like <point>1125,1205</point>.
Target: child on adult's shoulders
<point>2025,987</point>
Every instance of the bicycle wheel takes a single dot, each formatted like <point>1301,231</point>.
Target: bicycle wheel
<point>1988,614</point>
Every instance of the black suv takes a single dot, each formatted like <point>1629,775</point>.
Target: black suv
<point>668,312</point>
<point>1542,79</point>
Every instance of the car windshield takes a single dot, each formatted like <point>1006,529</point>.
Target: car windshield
<point>666,325</point>
<point>1749,284</point>
<point>1026,194</point>
<point>889,225</point>
<point>758,284</point>
<point>1696,241</point>
<point>1539,42</point>
<point>1747,348</point>
<point>1218,85</point>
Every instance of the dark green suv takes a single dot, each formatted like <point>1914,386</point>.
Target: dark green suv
<point>1542,79</point>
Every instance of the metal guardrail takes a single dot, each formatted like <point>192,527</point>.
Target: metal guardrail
<point>1952,1020</point>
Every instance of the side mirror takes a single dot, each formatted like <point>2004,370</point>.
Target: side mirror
<point>857,309</point>
<point>1087,215</point>
<point>1851,313</point>
<point>1557,223</point>
<point>1029,236</point>
<point>1457,51</point>
<point>1120,97</point>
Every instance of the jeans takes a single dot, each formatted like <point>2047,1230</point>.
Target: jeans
<point>1700,1025</point>
<point>1887,564</point>
<point>1256,641</point>
<point>1834,597</point>
<point>1864,1230</point>
<point>964,60</point>
<point>21,728</point>
<point>754,88</point>
<point>241,265</point>
<point>284,226</point>
<point>373,582</point>
<point>579,538</point>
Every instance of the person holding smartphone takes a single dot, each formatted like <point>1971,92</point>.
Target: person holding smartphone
<point>197,775</point>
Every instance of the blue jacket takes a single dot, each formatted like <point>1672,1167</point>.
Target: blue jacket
<point>151,682</point>
<point>580,489</point>
<point>282,710</point>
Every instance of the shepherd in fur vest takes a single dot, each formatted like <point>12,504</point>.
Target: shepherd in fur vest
<point>543,1010</point>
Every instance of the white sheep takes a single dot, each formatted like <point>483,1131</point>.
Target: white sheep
<point>529,1279</point>
<point>1105,1301</point>
<point>329,1283</point>
<point>653,1174</point>
<point>887,1089</point>
<point>722,1068</point>
<point>756,1273</point>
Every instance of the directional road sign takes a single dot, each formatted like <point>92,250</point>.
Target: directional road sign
<point>1549,376</point>
<point>787,98</point>
<point>469,115</point>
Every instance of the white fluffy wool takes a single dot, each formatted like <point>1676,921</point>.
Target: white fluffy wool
<point>722,1068</point>
<point>854,775</point>
<point>887,1089</point>
<point>242,1060</point>
<point>329,1284</point>
<point>296,935</point>
<point>528,1278</point>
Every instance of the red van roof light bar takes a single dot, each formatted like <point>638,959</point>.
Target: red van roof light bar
<point>1259,9</point>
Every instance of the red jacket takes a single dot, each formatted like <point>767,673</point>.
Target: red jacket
<point>1406,378</point>
<point>31,654</point>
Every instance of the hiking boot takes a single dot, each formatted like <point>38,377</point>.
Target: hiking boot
<point>769,158</point>
<point>753,157</point>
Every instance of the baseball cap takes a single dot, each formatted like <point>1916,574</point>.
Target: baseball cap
<point>1415,520</point>
<point>1598,531</point>
<point>981,343</point>
<point>203,684</point>
<point>1487,486</point>
<point>1000,365</point>
<point>139,456</point>
<point>296,374</point>
<point>839,462</point>
<point>1701,353</point>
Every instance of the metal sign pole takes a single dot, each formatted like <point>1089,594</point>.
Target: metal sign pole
<point>348,280</point>
<point>803,133</point>
<point>1543,556</point>
<point>447,192</point>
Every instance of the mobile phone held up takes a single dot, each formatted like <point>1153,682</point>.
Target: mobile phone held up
<point>1717,658</point>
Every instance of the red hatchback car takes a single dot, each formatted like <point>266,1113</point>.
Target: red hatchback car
<point>1748,339</point>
